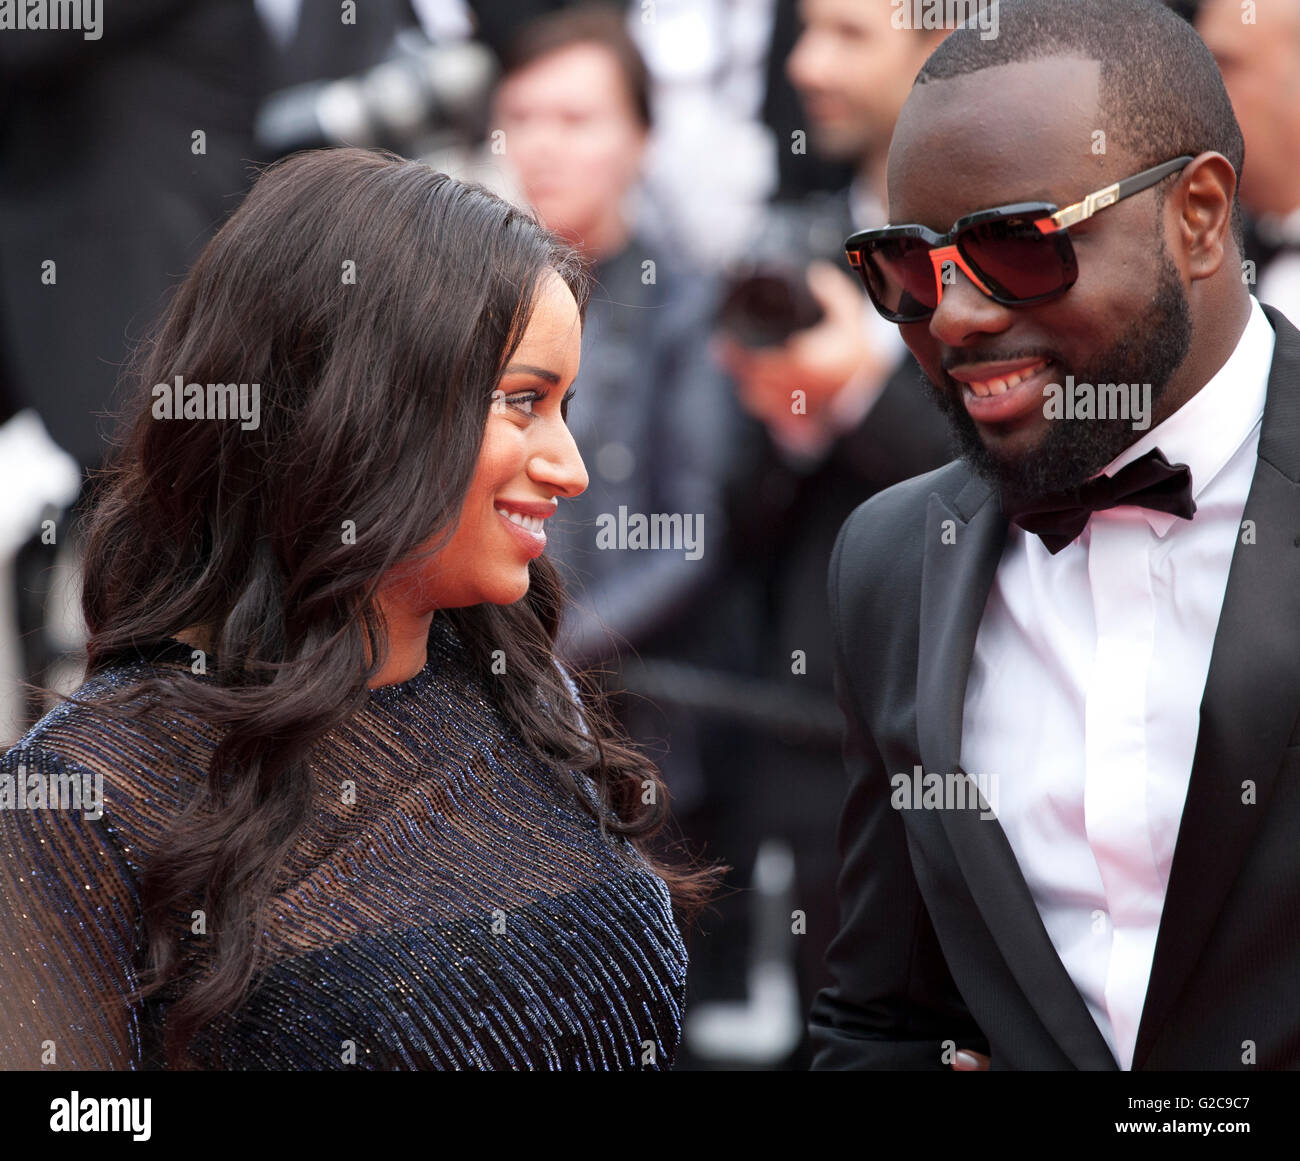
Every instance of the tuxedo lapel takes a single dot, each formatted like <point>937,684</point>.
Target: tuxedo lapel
<point>963,546</point>
<point>1251,697</point>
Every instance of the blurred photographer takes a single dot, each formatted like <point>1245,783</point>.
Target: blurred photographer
<point>841,414</point>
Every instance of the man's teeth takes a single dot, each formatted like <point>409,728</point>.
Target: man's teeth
<point>1000,386</point>
<point>532,523</point>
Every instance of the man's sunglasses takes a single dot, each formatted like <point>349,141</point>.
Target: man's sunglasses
<point>1018,255</point>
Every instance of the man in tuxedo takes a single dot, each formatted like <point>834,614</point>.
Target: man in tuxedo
<point>1092,617</point>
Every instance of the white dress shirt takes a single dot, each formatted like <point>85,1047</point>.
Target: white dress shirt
<point>1085,690</point>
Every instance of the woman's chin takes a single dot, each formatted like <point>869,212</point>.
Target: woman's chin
<point>507,591</point>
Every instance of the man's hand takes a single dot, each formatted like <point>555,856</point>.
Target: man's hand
<point>967,1061</point>
<point>818,361</point>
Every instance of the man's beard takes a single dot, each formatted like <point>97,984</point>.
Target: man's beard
<point>1075,450</point>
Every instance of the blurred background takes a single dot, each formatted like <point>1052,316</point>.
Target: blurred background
<point>708,157</point>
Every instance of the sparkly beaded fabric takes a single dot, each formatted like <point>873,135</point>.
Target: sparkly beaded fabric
<point>464,912</point>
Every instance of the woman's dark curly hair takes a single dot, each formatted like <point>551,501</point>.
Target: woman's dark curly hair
<point>375,392</point>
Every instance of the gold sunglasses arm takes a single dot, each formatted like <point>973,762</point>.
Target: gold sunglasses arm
<point>1083,210</point>
<point>1100,199</point>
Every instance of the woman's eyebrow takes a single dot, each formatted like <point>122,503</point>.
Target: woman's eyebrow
<point>528,369</point>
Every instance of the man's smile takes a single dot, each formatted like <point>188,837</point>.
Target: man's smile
<point>1003,392</point>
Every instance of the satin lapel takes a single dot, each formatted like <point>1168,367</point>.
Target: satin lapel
<point>962,548</point>
<point>1251,697</point>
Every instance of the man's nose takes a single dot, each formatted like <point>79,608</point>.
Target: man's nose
<point>964,305</point>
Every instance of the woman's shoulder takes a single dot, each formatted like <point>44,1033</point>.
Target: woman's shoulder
<point>137,760</point>
<point>99,708</point>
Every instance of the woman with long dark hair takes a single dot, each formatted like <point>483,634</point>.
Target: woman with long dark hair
<point>353,813</point>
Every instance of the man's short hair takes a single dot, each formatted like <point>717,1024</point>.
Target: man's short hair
<point>595,22</point>
<point>1161,92</point>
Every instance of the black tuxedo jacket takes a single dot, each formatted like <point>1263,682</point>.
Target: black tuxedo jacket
<point>940,940</point>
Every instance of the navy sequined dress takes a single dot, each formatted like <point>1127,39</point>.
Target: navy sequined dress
<point>450,905</point>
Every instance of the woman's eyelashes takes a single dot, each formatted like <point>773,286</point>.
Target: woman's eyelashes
<point>525,401</point>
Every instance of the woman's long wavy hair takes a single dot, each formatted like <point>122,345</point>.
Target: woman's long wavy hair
<point>376,302</point>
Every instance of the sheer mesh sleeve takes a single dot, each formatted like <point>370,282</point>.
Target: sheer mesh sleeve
<point>68,908</point>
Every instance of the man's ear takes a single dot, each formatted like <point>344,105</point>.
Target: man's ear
<point>1204,199</point>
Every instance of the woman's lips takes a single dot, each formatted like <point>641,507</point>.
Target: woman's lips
<point>1006,401</point>
<point>533,543</point>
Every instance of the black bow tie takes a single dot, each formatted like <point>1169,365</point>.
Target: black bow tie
<point>1150,481</point>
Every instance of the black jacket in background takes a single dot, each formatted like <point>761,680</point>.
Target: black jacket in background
<point>99,176</point>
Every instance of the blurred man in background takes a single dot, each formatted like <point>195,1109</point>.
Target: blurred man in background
<point>1258,52</point>
<point>653,416</point>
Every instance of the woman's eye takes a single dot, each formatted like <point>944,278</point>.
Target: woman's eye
<point>524,401</point>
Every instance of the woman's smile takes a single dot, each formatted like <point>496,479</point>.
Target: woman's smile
<point>524,522</point>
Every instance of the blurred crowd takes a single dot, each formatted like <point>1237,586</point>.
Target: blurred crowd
<point>708,157</point>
